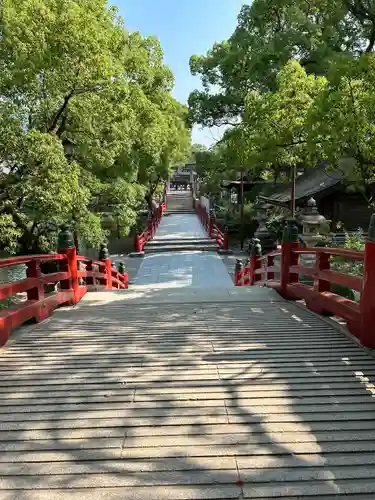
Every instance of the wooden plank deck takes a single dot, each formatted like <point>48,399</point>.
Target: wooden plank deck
<point>123,400</point>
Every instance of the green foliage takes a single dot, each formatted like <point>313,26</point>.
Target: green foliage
<point>230,216</point>
<point>275,223</point>
<point>9,233</point>
<point>341,124</point>
<point>275,123</point>
<point>295,84</point>
<point>353,241</point>
<point>87,121</point>
<point>267,36</point>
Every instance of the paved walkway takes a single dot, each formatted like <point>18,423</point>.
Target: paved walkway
<point>167,392</point>
<point>180,226</point>
<point>183,269</point>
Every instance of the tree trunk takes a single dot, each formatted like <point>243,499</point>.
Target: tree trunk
<point>150,200</point>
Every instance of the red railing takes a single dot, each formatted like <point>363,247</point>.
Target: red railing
<point>209,223</point>
<point>75,275</point>
<point>285,279</point>
<point>152,224</point>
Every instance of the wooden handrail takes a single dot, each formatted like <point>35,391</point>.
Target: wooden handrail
<point>360,316</point>
<point>16,261</point>
<point>211,227</point>
<point>333,252</point>
<point>152,224</point>
<point>71,284</point>
<point>275,253</point>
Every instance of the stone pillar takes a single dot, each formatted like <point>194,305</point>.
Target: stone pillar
<point>311,221</point>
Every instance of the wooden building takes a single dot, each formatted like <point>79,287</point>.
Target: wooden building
<point>184,175</point>
<point>334,199</point>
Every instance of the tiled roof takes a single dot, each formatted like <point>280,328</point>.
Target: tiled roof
<point>312,181</point>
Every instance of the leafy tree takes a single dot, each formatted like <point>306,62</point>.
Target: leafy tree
<point>342,122</point>
<point>275,123</point>
<point>268,34</point>
<point>86,120</point>
<point>295,84</point>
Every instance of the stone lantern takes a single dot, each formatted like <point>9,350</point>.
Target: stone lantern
<point>312,222</point>
<point>262,233</point>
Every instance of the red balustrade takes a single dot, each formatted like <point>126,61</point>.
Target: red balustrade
<point>209,223</point>
<point>359,316</point>
<point>76,275</point>
<point>152,224</point>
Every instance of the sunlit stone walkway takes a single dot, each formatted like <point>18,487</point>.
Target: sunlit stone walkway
<point>185,387</point>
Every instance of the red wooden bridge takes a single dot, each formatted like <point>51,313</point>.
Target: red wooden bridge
<point>188,393</point>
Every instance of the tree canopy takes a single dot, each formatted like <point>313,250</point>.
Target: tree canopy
<point>295,85</point>
<point>87,120</point>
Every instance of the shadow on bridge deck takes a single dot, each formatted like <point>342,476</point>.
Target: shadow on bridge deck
<point>164,394</point>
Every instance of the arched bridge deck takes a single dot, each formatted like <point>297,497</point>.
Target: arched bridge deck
<point>182,389</point>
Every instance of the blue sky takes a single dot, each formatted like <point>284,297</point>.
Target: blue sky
<point>184,28</point>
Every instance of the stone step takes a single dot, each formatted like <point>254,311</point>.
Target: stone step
<point>179,211</point>
<point>181,248</point>
<point>181,242</point>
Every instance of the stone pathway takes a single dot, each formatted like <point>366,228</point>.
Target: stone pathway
<point>185,387</point>
<point>180,226</point>
<point>125,397</point>
<point>183,269</point>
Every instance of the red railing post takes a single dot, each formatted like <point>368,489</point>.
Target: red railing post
<point>154,224</point>
<point>108,272</point>
<point>367,302</point>
<point>288,257</point>
<point>138,243</point>
<point>322,263</point>
<point>226,239</point>
<point>104,257</point>
<point>33,271</point>
<point>66,246</point>
<point>90,281</point>
<point>165,200</point>
<point>238,272</point>
<point>255,262</point>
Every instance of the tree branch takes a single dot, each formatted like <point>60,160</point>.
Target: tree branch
<point>52,127</point>
<point>61,128</point>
